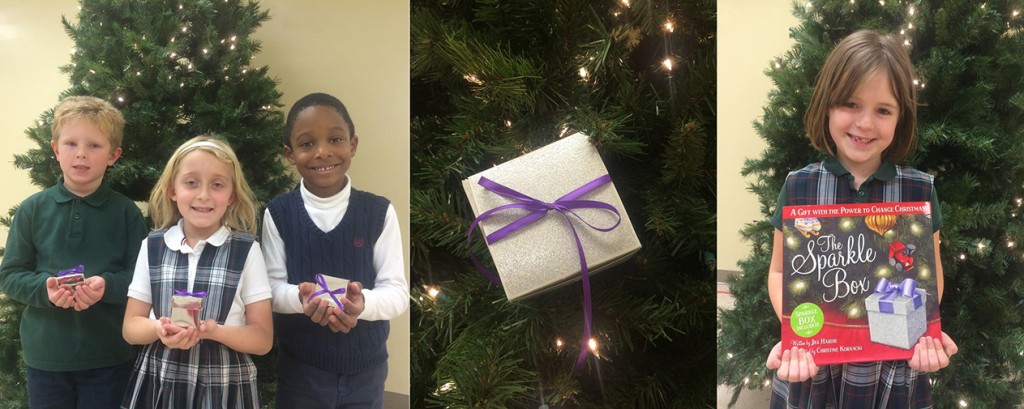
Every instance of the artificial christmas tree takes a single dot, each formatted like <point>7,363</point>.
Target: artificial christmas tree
<point>493,81</point>
<point>175,70</point>
<point>970,82</point>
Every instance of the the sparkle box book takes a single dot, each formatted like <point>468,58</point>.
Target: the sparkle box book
<point>858,280</point>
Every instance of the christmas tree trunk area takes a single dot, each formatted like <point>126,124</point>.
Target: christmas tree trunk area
<point>969,58</point>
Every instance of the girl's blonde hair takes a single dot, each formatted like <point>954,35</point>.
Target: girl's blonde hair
<point>856,59</point>
<point>241,213</point>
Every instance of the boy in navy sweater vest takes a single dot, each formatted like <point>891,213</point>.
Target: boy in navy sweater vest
<point>331,357</point>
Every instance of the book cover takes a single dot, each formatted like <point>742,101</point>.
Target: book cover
<point>859,280</point>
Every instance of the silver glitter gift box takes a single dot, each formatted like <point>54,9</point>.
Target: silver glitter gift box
<point>543,255</point>
<point>903,327</point>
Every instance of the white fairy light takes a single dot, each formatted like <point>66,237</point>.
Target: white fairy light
<point>667,63</point>
<point>592,344</point>
<point>669,26</point>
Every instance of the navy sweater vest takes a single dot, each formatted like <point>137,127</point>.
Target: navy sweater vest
<point>346,252</point>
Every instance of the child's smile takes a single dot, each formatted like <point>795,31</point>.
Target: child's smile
<point>202,191</point>
<point>321,148</point>
<point>863,126</point>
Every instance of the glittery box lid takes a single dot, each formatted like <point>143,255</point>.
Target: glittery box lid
<point>543,255</point>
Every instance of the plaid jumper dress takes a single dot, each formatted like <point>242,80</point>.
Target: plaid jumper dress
<point>884,384</point>
<point>209,375</point>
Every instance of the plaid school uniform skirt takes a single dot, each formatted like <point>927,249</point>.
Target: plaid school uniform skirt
<point>209,375</point>
<point>885,384</point>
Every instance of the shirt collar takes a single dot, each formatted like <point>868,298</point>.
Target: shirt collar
<point>174,238</point>
<point>326,202</point>
<point>886,171</point>
<point>94,199</point>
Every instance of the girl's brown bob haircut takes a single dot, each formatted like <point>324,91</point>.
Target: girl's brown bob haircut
<point>856,59</point>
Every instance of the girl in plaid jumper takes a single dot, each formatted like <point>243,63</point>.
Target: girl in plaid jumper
<point>206,216</point>
<point>863,114</point>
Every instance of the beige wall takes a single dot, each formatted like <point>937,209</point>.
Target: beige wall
<point>750,34</point>
<point>356,51</point>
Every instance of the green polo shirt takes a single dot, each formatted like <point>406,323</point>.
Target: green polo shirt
<point>885,173</point>
<point>55,230</point>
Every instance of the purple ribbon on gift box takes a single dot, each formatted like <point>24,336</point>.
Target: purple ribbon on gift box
<point>538,209</point>
<point>79,269</point>
<point>185,293</point>
<point>324,289</point>
<point>907,288</point>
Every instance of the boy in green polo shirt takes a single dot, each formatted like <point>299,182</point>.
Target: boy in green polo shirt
<point>71,336</point>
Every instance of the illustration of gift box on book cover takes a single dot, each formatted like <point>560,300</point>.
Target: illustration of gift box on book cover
<point>858,280</point>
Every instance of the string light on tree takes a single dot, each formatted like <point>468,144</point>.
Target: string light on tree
<point>584,73</point>
<point>669,27</point>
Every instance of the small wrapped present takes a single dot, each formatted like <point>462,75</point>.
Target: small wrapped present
<point>71,277</point>
<point>331,289</point>
<point>896,313</point>
<point>535,249</point>
<point>185,308</point>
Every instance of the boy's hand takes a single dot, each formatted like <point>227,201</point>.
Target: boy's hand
<point>59,296</point>
<point>354,303</point>
<point>794,365</point>
<point>89,292</point>
<point>174,336</point>
<point>316,309</point>
<point>931,354</point>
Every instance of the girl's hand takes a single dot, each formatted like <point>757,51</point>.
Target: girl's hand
<point>89,292</point>
<point>794,365</point>
<point>932,354</point>
<point>207,328</point>
<point>61,297</point>
<point>174,336</point>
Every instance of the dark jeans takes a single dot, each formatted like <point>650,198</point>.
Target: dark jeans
<point>304,386</point>
<point>101,388</point>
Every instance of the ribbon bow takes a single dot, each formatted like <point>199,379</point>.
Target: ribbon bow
<point>906,288</point>
<point>565,205</point>
<point>324,289</point>
<point>79,269</point>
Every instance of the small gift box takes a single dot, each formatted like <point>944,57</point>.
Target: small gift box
<point>185,308</point>
<point>896,313</point>
<point>331,289</point>
<point>535,249</point>
<point>71,277</point>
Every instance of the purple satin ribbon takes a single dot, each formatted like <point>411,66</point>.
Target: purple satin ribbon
<point>79,269</point>
<point>200,294</point>
<point>907,288</point>
<point>324,289</point>
<point>538,209</point>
